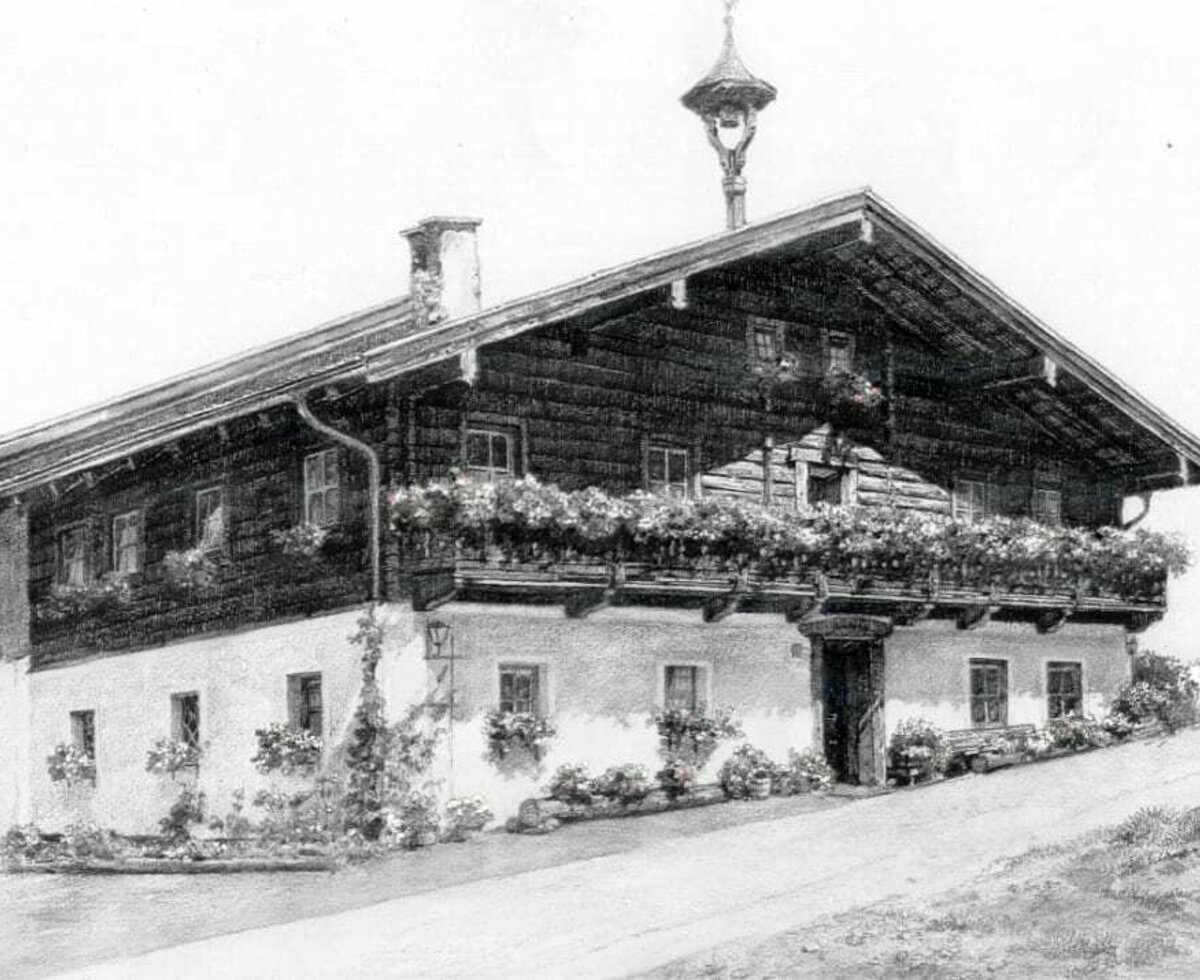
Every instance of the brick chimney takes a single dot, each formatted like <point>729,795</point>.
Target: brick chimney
<point>445,267</point>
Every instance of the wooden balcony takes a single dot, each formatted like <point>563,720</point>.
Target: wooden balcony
<point>970,596</point>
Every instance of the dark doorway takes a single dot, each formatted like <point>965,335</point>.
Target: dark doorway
<point>852,710</point>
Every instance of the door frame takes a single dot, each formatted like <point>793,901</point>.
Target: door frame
<point>870,631</point>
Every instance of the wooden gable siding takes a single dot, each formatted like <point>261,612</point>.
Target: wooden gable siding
<point>259,464</point>
<point>587,401</point>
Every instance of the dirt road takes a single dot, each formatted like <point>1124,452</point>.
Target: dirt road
<point>625,913</point>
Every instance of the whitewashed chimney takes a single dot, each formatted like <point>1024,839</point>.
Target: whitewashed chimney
<point>445,267</point>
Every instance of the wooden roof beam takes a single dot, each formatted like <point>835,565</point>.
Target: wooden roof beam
<point>1038,369</point>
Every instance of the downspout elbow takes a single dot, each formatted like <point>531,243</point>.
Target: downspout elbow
<point>374,481</point>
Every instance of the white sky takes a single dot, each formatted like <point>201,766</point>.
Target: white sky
<point>183,181</point>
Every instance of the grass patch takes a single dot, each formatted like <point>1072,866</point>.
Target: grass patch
<point>1115,902</point>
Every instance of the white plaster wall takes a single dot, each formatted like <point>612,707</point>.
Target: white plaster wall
<point>927,674</point>
<point>242,682</point>
<point>603,679</point>
<point>14,742</point>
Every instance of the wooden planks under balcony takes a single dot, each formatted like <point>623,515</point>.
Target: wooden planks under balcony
<point>583,585</point>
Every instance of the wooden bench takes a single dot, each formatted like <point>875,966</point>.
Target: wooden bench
<point>984,748</point>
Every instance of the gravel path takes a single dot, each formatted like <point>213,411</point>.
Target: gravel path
<point>674,895</point>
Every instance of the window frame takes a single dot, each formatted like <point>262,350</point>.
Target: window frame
<point>669,450</point>
<point>201,541</point>
<point>83,731</point>
<point>1000,697</point>
<point>181,728</point>
<point>513,428</point>
<point>697,684</point>
<point>136,519</point>
<point>328,457</point>
<point>300,709</point>
<point>1069,667</point>
<point>1039,513</point>
<point>967,511</point>
<point>61,575</point>
<point>536,699</point>
<point>841,341</point>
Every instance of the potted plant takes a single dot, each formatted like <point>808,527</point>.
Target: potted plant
<point>676,777</point>
<point>809,771</point>
<point>746,766</point>
<point>759,785</point>
<point>918,750</point>
<point>572,783</point>
<point>466,816</point>
<point>626,784</point>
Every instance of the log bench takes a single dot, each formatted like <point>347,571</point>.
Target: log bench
<point>982,749</point>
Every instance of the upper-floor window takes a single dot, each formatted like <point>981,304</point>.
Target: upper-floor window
<point>306,704</point>
<point>1064,689</point>
<point>989,693</point>
<point>520,689</point>
<point>1047,506</point>
<point>127,543</point>
<point>322,488</point>
<point>185,719</point>
<point>667,470</point>
<point>490,452</point>
<point>73,556</point>
<point>210,519</point>
<point>971,500</point>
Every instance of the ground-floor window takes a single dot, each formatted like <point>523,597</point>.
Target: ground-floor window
<point>185,719</point>
<point>1064,689</point>
<point>83,732</point>
<point>989,693</point>
<point>305,703</point>
<point>520,689</point>
<point>681,687</point>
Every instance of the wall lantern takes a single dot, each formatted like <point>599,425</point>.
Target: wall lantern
<point>436,634</point>
<point>728,100</point>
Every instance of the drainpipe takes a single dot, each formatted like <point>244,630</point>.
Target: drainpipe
<point>373,479</point>
<point>1145,498</point>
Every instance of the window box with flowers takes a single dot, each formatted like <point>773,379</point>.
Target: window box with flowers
<point>850,398</point>
<point>189,570</point>
<point>287,750</point>
<point>71,765</point>
<point>303,542</point>
<point>694,733</point>
<point>171,756</point>
<point>66,603</point>
<point>509,731</point>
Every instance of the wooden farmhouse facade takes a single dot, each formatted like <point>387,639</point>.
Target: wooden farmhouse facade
<point>189,561</point>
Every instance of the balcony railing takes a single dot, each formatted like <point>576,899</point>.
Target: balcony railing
<point>523,536</point>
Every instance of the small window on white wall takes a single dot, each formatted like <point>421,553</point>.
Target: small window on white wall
<point>682,687</point>
<point>521,689</point>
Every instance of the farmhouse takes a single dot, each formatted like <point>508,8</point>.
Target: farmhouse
<point>872,488</point>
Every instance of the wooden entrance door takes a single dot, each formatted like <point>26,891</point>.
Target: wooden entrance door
<point>852,710</point>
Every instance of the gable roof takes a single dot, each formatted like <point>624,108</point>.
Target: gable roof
<point>890,264</point>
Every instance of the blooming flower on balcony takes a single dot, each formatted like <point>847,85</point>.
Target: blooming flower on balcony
<point>529,520</point>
